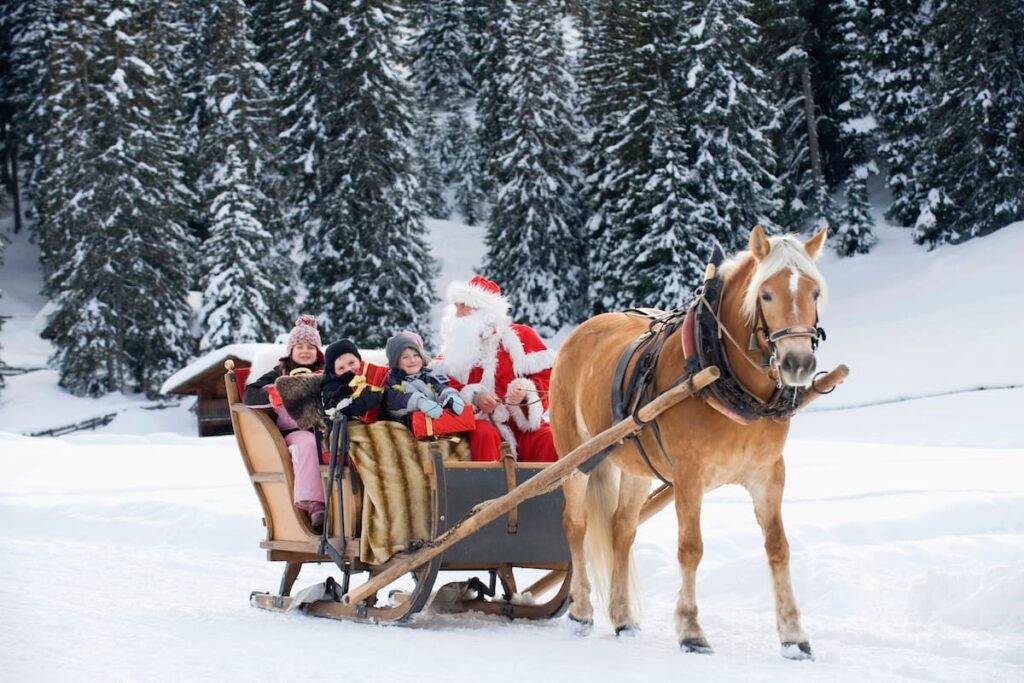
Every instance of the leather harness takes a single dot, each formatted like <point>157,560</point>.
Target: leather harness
<point>702,346</point>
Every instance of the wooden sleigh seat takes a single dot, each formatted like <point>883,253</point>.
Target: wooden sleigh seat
<point>529,536</point>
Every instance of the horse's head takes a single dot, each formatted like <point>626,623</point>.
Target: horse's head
<point>785,294</point>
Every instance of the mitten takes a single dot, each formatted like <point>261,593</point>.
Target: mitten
<point>455,402</point>
<point>275,398</point>
<point>432,408</point>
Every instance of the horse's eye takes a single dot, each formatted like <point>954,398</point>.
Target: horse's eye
<point>765,296</point>
<point>816,294</point>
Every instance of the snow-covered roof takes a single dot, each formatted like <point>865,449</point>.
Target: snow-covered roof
<point>215,358</point>
<point>261,357</point>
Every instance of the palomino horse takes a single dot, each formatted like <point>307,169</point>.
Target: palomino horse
<point>773,286</point>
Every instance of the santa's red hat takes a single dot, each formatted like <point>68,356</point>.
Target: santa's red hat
<point>479,293</point>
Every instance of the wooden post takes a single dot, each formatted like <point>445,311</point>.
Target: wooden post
<point>825,384</point>
<point>538,484</point>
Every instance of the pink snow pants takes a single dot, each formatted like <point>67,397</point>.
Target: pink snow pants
<point>309,487</point>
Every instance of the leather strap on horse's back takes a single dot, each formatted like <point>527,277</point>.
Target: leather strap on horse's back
<point>631,394</point>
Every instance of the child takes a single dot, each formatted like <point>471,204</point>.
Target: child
<point>411,386</point>
<point>341,387</point>
<point>303,352</point>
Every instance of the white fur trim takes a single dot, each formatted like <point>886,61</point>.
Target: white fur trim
<point>465,293</point>
<point>470,391</point>
<point>524,363</point>
<point>528,419</point>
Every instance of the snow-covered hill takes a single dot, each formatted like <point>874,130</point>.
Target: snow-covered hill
<point>129,554</point>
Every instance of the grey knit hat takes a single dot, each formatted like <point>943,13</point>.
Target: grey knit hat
<point>399,343</point>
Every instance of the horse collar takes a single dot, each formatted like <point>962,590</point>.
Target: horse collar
<point>704,346</point>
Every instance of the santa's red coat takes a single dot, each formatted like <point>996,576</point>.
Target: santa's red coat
<point>515,355</point>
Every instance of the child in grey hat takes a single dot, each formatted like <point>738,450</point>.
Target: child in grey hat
<point>411,385</point>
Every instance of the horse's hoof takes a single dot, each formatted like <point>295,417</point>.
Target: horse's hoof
<point>797,651</point>
<point>627,630</point>
<point>696,645</point>
<point>581,627</point>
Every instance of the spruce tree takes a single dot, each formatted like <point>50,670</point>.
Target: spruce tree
<point>428,166</point>
<point>900,61</point>
<point>533,245</point>
<point>857,128</point>
<point>731,156</point>
<point>973,168</point>
<point>245,279</point>
<point>441,54</point>
<point>789,52</point>
<point>120,316</point>
<point>371,271</point>
<point>301,38</point>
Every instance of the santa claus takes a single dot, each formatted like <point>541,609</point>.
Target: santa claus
<point>500,368</point>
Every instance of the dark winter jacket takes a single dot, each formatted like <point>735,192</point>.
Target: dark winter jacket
<point>404,392</point>
<point>336,391</point>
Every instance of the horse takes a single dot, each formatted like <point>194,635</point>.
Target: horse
<point>773,285</point>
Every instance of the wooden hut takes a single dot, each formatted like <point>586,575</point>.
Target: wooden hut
<point>204,379</point>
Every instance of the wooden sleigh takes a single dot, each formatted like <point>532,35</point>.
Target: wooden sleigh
<point>467,500</point>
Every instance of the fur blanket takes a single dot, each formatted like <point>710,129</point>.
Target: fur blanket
<point>386,455</point>
<point>300,395</point>
<point>396,493</point>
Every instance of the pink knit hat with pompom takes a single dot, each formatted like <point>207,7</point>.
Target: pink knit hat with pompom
<point>304,331</point>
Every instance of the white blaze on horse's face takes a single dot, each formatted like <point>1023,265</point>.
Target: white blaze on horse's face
<point>789,289</point>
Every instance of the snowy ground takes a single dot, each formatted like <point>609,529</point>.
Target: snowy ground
<point>129,554</point>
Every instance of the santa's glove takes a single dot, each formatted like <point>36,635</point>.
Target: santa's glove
<point>455,402</point>
<point>432,408</point>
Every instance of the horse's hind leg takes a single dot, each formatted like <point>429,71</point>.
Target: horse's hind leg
<point>766,492</point>
<point>689,496</point>
<point>623,605</point>
<point>574,519</point>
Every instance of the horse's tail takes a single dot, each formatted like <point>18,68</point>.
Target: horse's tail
<point>602,499</point>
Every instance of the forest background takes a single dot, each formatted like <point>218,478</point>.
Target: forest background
<point>196,172</point>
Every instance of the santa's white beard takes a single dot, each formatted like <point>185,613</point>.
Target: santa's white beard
<point>462,341</point>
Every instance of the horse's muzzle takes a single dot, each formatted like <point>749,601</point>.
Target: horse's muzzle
<point>797,369</point>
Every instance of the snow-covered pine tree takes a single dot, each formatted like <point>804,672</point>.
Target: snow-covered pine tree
<point>371,271</point>
<point>973,168</point>
<point>245,279</point>
<point>857,128</point>
<point>533,241</point>
<point>440,54</point>
<point>900,61</point>
<point>488,22</point>
<point>121,318</point>
<point>732,159</point>
<point>443,83</point>
<point>788,55</point>
<point>28,28</point>
<point>609,92</point>
<point>460,166</point>
<point>643,251</point>
<point>301,38</point>
<point>427,141</point>
<point>64,176</point>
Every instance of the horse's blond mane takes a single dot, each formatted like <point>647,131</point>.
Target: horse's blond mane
<point>787,251</point>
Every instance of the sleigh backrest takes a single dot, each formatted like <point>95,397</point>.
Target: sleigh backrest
<point>269,464</point>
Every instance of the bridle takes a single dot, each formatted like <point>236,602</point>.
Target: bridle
<point>770,359</point>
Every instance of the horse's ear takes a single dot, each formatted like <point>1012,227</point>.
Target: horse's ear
<point>814,245</point>
<point>759,245</point>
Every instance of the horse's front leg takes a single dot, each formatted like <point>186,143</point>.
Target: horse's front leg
<point>766,491</point>
<point>624,603</point>
<point>689,494</point>
<point>574,519</point>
